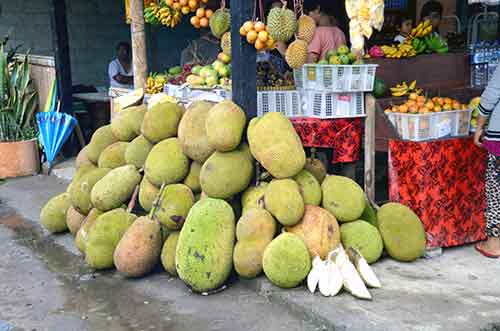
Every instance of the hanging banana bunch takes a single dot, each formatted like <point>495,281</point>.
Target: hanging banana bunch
<point>364,15</point>
<point>161,14</point>
<point>128,16</point>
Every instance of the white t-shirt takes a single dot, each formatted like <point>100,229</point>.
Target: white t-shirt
<point>116,68</point>
<point>399,39</point>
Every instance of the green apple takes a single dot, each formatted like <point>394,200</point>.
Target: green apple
<point>335,60</point>
<point>196,70</point>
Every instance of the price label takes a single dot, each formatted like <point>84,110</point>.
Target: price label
<point>344,105</point>
<point>444,128</point>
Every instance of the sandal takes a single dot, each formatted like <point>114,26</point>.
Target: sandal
<point>485,253</point>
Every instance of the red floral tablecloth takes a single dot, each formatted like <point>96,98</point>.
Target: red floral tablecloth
<point>343,135</point>
<point>443,182</point>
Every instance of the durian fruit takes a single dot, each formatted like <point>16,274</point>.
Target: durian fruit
<point>282,24</point>
<point>306,28</point>
<point>220,22</point>
<point>225,43</point>
<point>296,54</point>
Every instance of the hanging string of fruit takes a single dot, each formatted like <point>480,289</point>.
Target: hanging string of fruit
<point>159,13</point>
<point>185,6</point>
<point>256,32</point>
<point>201,18</point>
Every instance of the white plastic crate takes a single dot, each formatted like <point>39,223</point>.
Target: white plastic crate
<point>422,127</point>
<point>332,105</point>
<point>336,78</point>
<point>286,102</point>
<point>177,91</point>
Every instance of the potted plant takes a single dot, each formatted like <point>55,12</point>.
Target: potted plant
<point>18,130</point>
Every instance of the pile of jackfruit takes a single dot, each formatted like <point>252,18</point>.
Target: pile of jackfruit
<point>201,192</point>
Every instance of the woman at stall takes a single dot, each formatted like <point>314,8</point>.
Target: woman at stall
<point>488,137</point>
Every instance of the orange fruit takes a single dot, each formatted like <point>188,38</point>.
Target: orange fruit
<point>169,2</point>
<point>435,99</point>
<point>263,36</point>
<point>193,4</point>
<point>420,98</point>
<point>204,22</point>
<point>420,104</point>
<point>200,12</point>
<point>429,105</point>
<point>395,109</point>
<point>176,6</point>
<point>252,36</point>
<point>438,108</point>
<point>403,109</point>
<point>413,109</point>
<point>259,26</point>
<point>270,43</point>
<point>195,20</point>
<point>448,101</point>
<point>411,103</point>
<point>208,13</point>
<point>185,10</point>
<point>413,96</point>
<point>259,45</point>
<point>183,2</point>
<point>248,26</point>
<point>243,32</point>
<point>204,1</point>
<point>456,105</point>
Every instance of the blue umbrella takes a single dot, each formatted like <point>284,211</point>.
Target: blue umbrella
<point>55,128</point>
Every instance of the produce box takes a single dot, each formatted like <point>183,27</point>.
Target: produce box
<point>324,105</point>
<point>177,91</point>
<point>288,103</point>
<point>422,127</point>
<point>336,78</point>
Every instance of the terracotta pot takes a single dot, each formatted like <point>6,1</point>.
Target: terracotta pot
<point>19,159</point>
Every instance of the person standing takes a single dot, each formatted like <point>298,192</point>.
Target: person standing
<point>432,11</point>
<point>488,137</point>
<point>120,71</point>
<point>326,37</point>
<point>404,28</point>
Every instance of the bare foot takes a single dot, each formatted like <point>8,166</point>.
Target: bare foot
<point>491,246</point>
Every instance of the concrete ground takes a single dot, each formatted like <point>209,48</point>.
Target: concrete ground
<point>45,285</point>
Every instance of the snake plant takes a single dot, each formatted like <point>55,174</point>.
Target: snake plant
<point>18,100</point>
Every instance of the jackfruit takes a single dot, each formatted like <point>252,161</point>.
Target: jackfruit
<point>115,188</point>
<point>225,125</point>
<point>220,22</point>
<point>176,202</point>
<point>369,215</point>
<point>53,214</point>
<point>253,197</point>
<point>137,151</point>
<point>254,231</point>
<point>281,24</point>
<point>74,220</point>
<point>309,188</point>
<point>126,124</point>
<point>286,261</point>
<point>226,174</point>
<point>147,194</point>
<point>306,26</point>
<point>317,168</point>
<point>296,54</point>
<point>82,159</point>
<point>168,253</point>
<point>166,163</point>
<point>193,134</point>
<point>343,197</point>
<point>82,170</point>
<point>275,144</point>
<point>104,236</point>
<point>364,237</point>
<point>204,255</point>
<point>402,232</point>
<point>113,156</point>
<point>192,180</point>
<point>161,121</point>
<point>82,234</point>
<point>102,138</point>
<point>284,201</point>
<point>138,251</point>
<point>82,188</point>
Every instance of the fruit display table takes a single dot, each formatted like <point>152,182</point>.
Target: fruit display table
<point>343,135</point>
<point>443,182</point>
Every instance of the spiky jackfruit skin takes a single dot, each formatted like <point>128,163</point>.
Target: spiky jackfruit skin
<point>127,123</point>
<point>137,151</point>
<point>82,159</point>
<point>115,188</point>
<point>74,220</point>
<point>161,121</point>
<point>343,197</point>
<point>102,138</point>
<point>168,253</point>
<point>253,197</point>
<point>254,231</point>
<point>364,237</point>
<point>147,194</point>
<point>317,168</point>
<point>369,215</point>
<point>276,145</point>
<point>81,190</point>
<point>82,234</point>
<point>281,24</point>
<point>225,43</point>
<point>284,201</point>
<point>286,261</point>
<point>138,251</point>
<point>175,205</point>
<point>296,54</point>
<point>166,163</point>
<point>104,236</point>
<point>224,125</point>
<point>204,255</point>
<point>220,22</point>
<point>193,134</point>
<point>309,188</point>
<point>226,174</point>
<point>82,170</point>
<point>113,156</point>
<point>306,26</point>
<point>402,232</point>
<point>192,180</point>
<point>53,214</point>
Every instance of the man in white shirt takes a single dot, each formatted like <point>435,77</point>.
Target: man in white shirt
<point>120,69</point>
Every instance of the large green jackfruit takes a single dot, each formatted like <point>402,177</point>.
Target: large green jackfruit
<point>81,190</point>
<point>74,220</point>
<point>369,214</point>
<point>168,253</point>
<point>82,234</point>
<point>82,159</point>
<point>102,138</point>
<point>127,123</point>
<point>137,151</point>
<point>53,214</point>
<point>176,202</point>
<point>343,197</point>
<point>113,156</point>
<point>253,197</point>
<point>104,236</point>
<point>166,163</point>
<point>204,255</point>
<point>225,125</point>
<point>364,237</point>
<point>226,174</point>
<point>193,134</point>
<point>115,188</point>
<point>275,144</point>
<point>147,194</point>
<point>284,201</point>
<point>192,180</point>
<point>309,188</point>
<point>82,170</point>
<point>161,121</point>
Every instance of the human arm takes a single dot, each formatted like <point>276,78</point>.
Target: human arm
<point>479,134</point>
<point>114,74</point>
<point>314,49</point>
<point>491,95</point>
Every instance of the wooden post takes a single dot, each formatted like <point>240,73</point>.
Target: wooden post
<point>60,42</point>
<point>370,106</point>
<point>244,73</point>
<point>139,51</point>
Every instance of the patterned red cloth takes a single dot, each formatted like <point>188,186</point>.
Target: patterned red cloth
<point>443,182</point>
<point>343,135</point>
